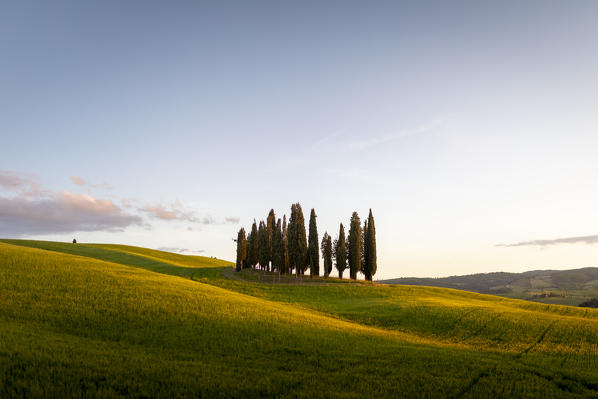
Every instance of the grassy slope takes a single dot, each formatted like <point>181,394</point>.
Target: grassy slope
<point>117,314</point>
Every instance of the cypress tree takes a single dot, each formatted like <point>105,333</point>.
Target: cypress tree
<point>327,254</point>
<point>252,246</point>
<point>285,239</point>
<point>301,237</point>
<point>241,250</point>
<point>264,250</point>
<point>313,246</point>
<point>339,252</point>
<point>277,248</point>
<point>355,246</point>
<point>271,225</point>
<point>292,241</point>
<point>371,263</point>
<point>297,240</point>
<point>364,246</point>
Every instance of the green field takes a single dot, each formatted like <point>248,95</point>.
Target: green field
<point>94,320</point>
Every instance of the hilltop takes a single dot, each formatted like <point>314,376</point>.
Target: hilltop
<point>112,320</point>
<point>567,287</point>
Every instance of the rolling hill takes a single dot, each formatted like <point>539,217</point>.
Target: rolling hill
<point>565,287</point>
<point>110,320</point>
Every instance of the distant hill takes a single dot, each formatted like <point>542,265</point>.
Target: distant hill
<point>569,287</point>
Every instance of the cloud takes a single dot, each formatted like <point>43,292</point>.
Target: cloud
<point>82,182</point>
<point>336,143</point>
<point>78,181</point>
<point>176,211</point>
<point>26,183</point>
<point>179,250</point>
<point>556,241</point>
<point>61,213</point>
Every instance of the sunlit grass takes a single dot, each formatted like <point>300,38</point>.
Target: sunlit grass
<point>73,325</point>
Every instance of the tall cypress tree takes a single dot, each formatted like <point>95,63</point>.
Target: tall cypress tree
<point>285,239</point>
<point>271,225</point>
<point>297,240</point>
<point>264,250</point>
<point>241,250</point>
<point>313,246</point>
<point>253,246</point>
<point>339,252</point>
<point>371,262</point>
<point>364,246</point>
<point>355,246</point>
<point>301,237</point>
<point>292,240</point>
<point>277,248</point>
<point>327,254</point>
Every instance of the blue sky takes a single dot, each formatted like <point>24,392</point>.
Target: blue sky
<point>463,125</point>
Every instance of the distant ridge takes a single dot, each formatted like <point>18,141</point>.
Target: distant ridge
<point>550,286</point>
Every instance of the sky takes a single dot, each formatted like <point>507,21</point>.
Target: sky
<point>470,128</point>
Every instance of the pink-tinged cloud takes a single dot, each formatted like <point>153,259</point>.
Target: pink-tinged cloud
<point>61,213</point>
<point>78,181</point>
<point>160,212</point>
<point>18,181</point>
<point>176,211</point>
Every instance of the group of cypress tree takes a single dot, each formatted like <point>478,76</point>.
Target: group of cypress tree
<point>274,246</point>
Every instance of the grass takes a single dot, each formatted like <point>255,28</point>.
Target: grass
<point>109,321</point>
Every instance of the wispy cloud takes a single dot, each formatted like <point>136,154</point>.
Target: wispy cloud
<point>174,211</point>
<point>336,142</point>
<point>178,211</point>
<point>358,145</point>
<point>82,182</point>
<point>27,184</point>
<point>78,181</point>
<point>180,250</point>
<point>557,241</point>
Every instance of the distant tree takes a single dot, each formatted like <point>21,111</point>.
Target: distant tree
<point>313,246</point>
<point>354,246</point>
<point>271,225</point>
<point>253,246</point>
<point>339,252</point>
<point>285,239</point>
<point>592,303</point>
<point>297,240</point>
<point>74,241</point>
<point>264,250</point>
<point>327,254</point>
<point>371,265</point>
<point>241,249</point>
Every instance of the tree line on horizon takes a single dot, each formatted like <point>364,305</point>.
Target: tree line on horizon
<point>277,246</point>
